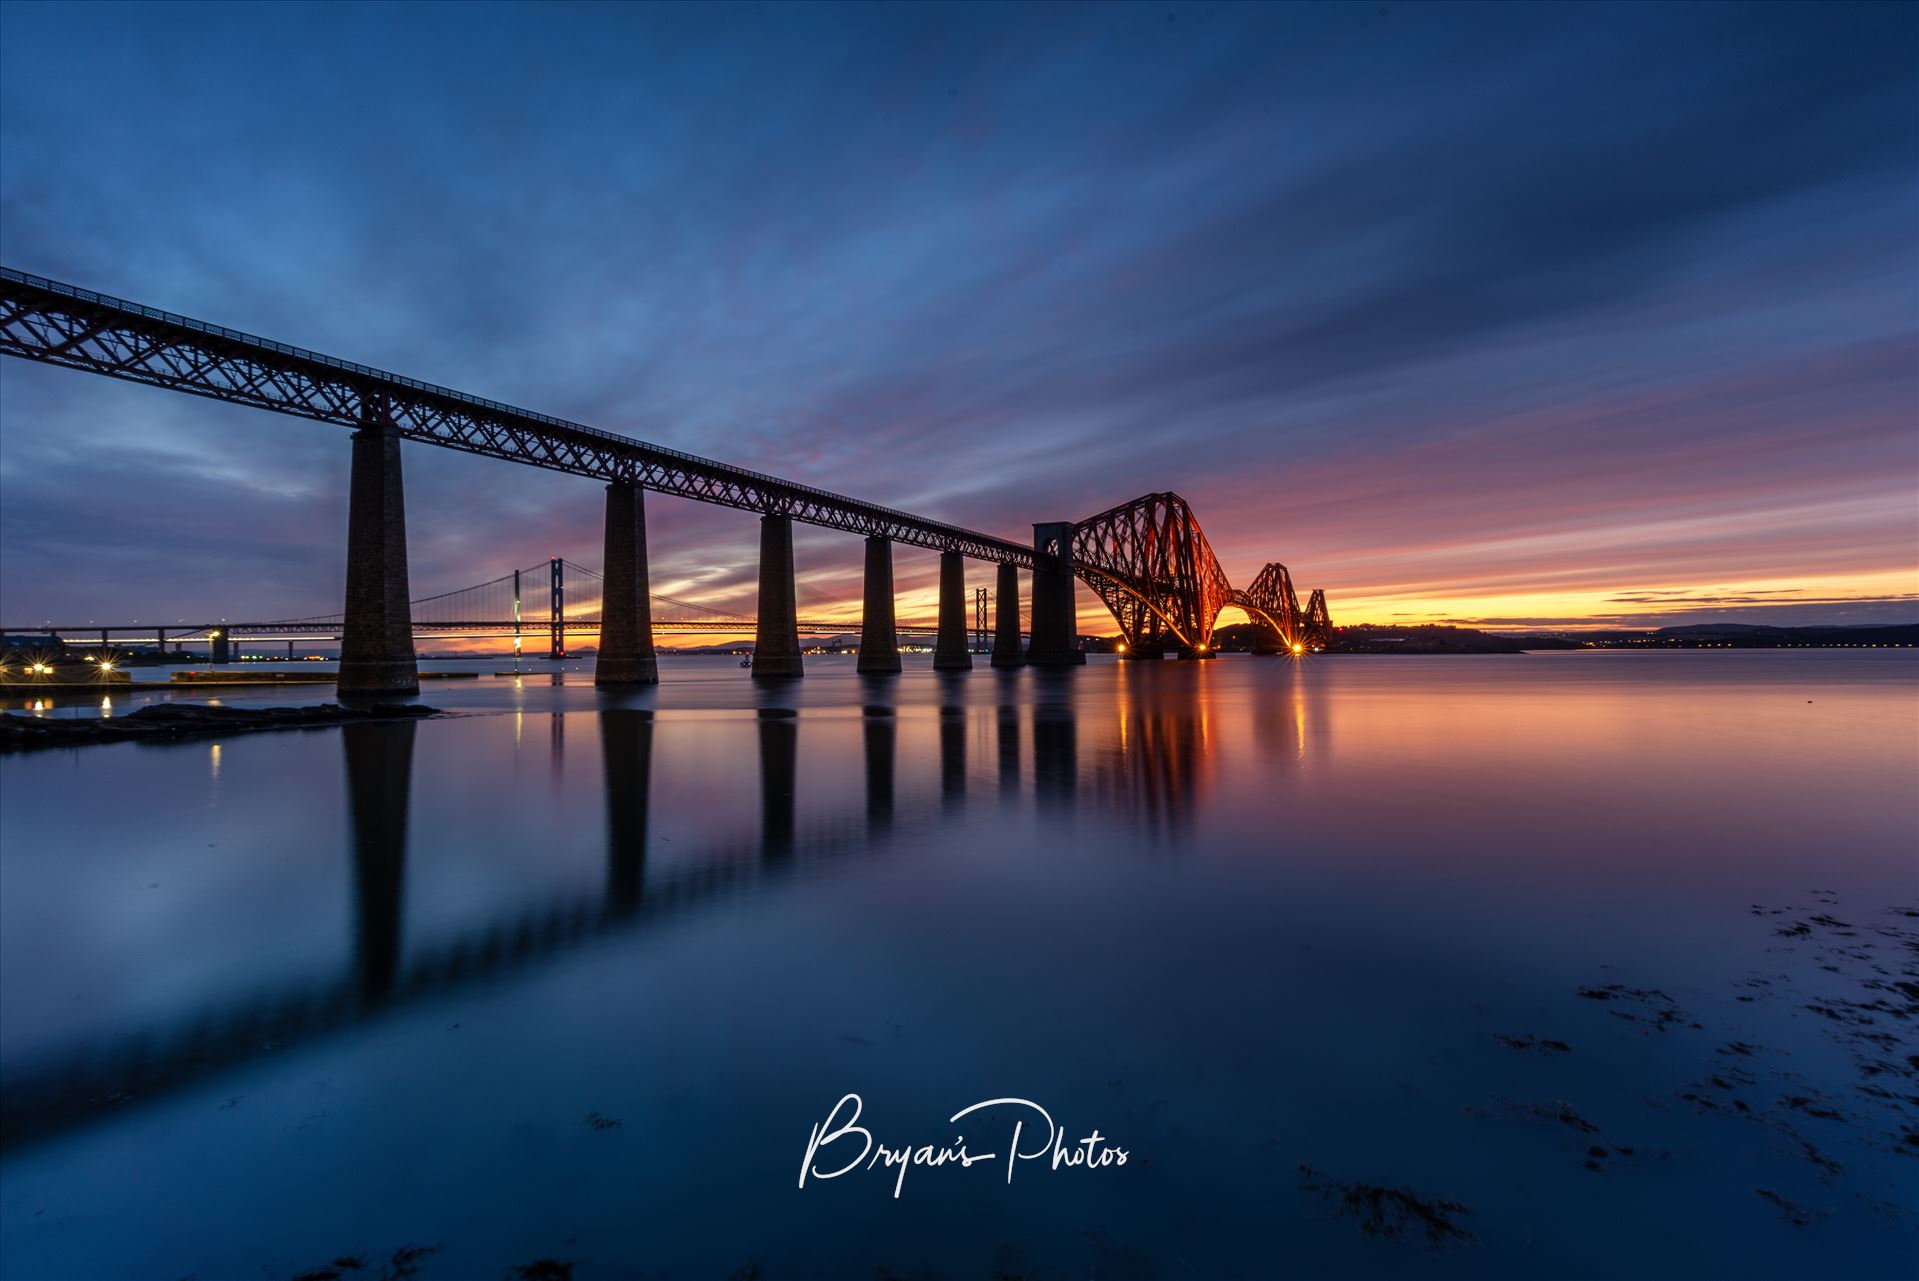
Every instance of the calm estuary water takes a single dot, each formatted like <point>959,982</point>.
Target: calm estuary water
<point>1578,964</point>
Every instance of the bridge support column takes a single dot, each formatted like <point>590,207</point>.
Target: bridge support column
<point>879,634</point>
<point>220,648</point>
<point>1055,635</point>
<point>776,645</point>
<point>626,610</point>
<point>1006,619</point>
<point>951,652</point>
<point>376,637</point>
<point>1188,651</point>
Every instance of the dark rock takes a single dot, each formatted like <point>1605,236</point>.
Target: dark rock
<point>170,721</point>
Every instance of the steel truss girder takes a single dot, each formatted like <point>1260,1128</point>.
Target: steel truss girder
<point>59,324</point>
<point>1150,562</point>
<point>1271,598</point>
<point>1316,623</point>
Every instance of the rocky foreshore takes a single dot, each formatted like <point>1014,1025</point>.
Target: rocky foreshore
<point>186,720</point>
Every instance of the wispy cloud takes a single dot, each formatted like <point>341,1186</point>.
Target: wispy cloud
<point>1438,306</point>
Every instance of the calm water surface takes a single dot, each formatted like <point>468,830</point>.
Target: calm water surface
<point>1597,964</point>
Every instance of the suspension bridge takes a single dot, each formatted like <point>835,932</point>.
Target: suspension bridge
<point>1147,560</point>
<point>555,601</point>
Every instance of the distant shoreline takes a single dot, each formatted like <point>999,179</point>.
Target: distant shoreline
<point>1439,639</point>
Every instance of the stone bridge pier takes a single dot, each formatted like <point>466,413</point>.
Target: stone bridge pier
<point>776,644</point>
<point>951,650</point>
<point>626,609</point>
<point>879,629</point>
<point>376,635</point>
<point>1055,635</point>
<point>1006,650</point>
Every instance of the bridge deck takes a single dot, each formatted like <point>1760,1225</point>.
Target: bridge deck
<point>61,324</point>
<point>89,633</point>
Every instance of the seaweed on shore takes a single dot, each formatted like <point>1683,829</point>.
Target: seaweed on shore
<point>1558,1110</point>
<point>1646,1006</point>
<point>1796,1215</point>
<point>1545,1045</point>
<point>404,1264</point>
<point>542,1270</point>
<point>1396,1214</point>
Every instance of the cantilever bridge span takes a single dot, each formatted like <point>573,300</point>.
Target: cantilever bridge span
<point>1148,560</point>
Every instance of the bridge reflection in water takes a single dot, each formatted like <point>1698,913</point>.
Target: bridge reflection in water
<point>379,777</point>
<point>1146,767</point>
<point>626,748</point>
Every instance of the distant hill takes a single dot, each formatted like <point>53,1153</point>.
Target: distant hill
<point>1427,639</point>
<point>1753,636</point>
<point>1437,639</point>
<point>1440,639</point>
<point>845,642</point>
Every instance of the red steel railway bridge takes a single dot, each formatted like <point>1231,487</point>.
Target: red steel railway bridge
<point>1148,560</point>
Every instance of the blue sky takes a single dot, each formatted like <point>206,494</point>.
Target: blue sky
<point>1521,314</point>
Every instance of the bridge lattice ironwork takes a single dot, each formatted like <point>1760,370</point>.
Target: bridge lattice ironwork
<point>1151,563</point>
<point>60,324</point>
<point>1148,559</point>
